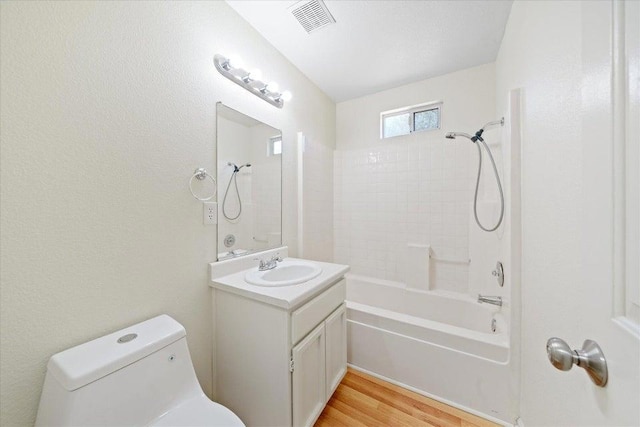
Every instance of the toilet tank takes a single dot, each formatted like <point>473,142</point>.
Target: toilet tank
<point>129,377</point>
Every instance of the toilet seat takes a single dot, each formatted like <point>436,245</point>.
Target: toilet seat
<point>199,412</point>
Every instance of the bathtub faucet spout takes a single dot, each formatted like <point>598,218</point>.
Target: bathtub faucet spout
<point>490,300</point>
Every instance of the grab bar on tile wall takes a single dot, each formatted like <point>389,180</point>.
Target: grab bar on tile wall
<point>450,260</point>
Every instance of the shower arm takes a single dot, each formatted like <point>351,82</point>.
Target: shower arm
<point>478,134</point>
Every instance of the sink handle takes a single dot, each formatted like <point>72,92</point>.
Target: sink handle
<point>269,264</point>
<point>262,263</point>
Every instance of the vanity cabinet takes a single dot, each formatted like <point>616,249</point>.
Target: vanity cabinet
<point>319,363</point>
<point>278,366</point>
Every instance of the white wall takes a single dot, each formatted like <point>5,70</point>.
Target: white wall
<point>106,110</point>
<point>414,189</point>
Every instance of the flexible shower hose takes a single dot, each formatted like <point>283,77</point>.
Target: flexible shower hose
<point>475,197</point>
<point>234,178</point>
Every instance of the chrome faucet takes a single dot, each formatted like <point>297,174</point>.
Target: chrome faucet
<point>269,264</point>
<point>490,300</point>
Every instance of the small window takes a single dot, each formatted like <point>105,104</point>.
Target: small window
<point>275,146</point>
<point>399,124</point>
<point>406,120</point>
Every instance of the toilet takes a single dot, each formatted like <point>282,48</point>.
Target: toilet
<point>141,375</point>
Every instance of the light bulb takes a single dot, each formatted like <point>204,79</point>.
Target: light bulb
<point>286,96</point>
<point>236,62</point>
<point>255,74</point>
<point>272,87</point>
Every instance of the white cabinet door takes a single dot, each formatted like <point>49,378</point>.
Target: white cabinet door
<point>309,378</point>
<point>336,348</point>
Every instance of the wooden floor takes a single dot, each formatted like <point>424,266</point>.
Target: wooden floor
<point>363,400</point>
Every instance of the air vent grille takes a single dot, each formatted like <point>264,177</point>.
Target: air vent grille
<point>312,15</point>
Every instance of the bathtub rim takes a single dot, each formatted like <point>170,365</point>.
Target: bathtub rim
<point>452,295</point>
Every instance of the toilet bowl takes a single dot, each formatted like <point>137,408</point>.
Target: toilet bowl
<point>139,376</point>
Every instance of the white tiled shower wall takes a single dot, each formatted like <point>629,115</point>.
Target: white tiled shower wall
<point>411,192</point>
<point>414,189</point>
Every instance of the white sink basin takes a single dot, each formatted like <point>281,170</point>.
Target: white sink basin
<point>287,273</point>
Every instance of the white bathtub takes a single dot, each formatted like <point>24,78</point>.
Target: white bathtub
<point>439,344</point>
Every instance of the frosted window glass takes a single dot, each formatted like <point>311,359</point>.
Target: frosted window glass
<point>424,120</point>
<point>397,125</point>
<point>275,146</point>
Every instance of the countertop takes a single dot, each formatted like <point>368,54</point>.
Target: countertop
<point>287,297</point>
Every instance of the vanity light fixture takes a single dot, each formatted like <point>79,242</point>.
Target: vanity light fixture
<point>234,70</point>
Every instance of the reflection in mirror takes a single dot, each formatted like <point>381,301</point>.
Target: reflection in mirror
<point>249,160</point>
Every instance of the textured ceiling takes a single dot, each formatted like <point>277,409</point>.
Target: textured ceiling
<point>377,45</point>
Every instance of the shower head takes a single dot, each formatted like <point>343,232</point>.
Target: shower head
<point>237,168</point>
<point>478,135</point>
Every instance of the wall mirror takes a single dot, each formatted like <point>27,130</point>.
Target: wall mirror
<point>249,171</point>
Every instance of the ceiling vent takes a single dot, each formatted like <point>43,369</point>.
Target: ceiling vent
<point>312,14</point>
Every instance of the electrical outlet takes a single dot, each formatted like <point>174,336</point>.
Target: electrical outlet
<point>210,212</point>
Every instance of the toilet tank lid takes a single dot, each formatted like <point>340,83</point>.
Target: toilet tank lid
<point>88,362</point>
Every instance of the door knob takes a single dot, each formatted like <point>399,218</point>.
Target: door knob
<point>589,357</point>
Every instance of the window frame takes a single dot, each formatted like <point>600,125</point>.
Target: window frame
<point>411,110</point>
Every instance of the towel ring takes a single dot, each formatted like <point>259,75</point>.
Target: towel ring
<point>201,174</point>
